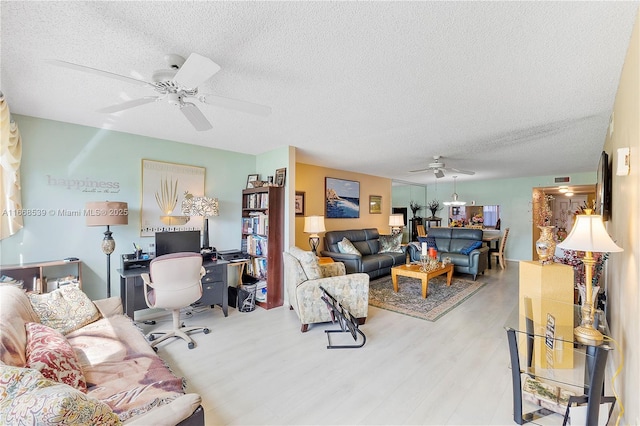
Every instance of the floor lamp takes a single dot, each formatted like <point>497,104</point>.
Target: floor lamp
<point>314,225</point>
<point>107,213</point>
<point>588,235</point>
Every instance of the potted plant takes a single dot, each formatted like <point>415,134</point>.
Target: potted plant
<point>434,206</point>
<point>415,208</point>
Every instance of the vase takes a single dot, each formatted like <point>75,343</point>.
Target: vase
<point>562,234</point>
<point>546,245</point>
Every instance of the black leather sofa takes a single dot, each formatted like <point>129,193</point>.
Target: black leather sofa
<point>371,262</point>
<point>450,242</point>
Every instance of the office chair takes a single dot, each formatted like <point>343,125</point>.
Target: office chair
<point>173,282</point>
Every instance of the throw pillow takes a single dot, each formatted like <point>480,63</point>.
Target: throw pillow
<point>431,242</point>
<point>65,309</point>
<point>308,261</point>
<point>471,246</point>
<point>51,354</point>
<point>29,398</point>
<point>390,243</point>
<point>347,247</point>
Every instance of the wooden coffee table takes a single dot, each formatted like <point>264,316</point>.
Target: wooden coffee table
<point>413,271</point>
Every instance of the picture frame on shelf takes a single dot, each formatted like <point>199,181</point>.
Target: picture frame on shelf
<point>252,178</point>
<point>375,204</point>
<point>299,203</point>
<point>281,176</point>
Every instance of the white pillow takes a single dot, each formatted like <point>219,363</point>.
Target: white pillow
<point>347,247</point>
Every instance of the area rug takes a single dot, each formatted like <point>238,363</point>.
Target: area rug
<point>408,300</point>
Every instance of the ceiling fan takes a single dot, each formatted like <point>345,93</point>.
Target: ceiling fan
<point>176,85</point>
<point>439,168</point>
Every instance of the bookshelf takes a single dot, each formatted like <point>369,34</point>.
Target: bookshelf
<point>42,277</point>
<point>262,240</point>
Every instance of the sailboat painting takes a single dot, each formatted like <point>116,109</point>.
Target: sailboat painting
<point>342,198</point>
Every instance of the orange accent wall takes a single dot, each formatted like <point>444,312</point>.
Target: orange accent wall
<point>310,180</point>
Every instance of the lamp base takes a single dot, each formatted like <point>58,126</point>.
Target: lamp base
<point>314,241</point>
<point>587,335</point>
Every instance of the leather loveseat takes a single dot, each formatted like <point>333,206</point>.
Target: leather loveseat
<point>370,260</point>
<point>451,242</point>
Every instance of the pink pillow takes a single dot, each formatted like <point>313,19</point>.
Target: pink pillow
<point>49,352</point>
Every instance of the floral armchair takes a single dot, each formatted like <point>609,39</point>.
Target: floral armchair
<point>303,277</point>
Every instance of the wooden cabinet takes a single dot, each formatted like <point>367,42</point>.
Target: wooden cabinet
<point>40,277</point>
<point>262,240</point>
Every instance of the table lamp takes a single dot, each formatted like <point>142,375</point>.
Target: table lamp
<point>314,225</point>
<point>107,213</point>
<point>201,206</point>
<point>588,235</point>
<point>396,222</point>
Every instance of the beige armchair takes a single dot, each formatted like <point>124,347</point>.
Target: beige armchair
<point>303,277</point>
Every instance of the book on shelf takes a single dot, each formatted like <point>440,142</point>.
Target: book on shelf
<point>259,223</point>
<point>257,201</point>
<point>257,267</point>
<point>257,245</point>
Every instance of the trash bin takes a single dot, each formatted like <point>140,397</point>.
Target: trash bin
<point>247,297</point>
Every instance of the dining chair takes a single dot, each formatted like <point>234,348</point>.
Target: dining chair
<point>499,255</point>
<point>421,231</point>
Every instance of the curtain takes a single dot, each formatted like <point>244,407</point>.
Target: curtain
<point>10,157</point>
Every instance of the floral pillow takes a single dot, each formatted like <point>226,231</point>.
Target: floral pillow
<point>390,243</point>
<point>65,309</point>
<point>51,354</point>
<point>30,398</point>
<point>347,247</point>
<point>308,261</point>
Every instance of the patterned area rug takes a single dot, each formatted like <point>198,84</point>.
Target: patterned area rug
<point>408,300</point>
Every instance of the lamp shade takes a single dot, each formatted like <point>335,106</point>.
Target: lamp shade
<point>106,213</point>
<point>314,224</point>
<point>200,206</point>
<point>396,220</point>
<point>588,234</point>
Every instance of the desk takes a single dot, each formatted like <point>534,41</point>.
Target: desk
<point>214,287</point>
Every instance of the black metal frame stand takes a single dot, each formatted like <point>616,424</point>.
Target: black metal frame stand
<point>593,386</point>
<point>347,322</point>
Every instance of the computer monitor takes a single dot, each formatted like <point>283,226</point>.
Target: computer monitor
<point>179,241</point>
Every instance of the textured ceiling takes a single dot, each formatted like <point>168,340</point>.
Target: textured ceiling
<point>371,87</point>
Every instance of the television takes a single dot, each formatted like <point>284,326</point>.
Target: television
<point>179,241</point>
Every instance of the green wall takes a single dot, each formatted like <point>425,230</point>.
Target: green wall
<point>512,195</point>
<point>56,156</point>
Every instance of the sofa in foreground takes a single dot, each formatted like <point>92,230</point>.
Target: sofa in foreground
<point>462,245</point>
<point>303,277</point>
<point>67,360</point>
<point>374,254</point>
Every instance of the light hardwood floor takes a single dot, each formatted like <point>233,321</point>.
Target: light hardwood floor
<point>258,368</point>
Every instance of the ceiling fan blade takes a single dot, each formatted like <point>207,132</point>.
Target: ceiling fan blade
<point>236,104</point>
<point>419,170</point>
<point>102,73</point>
<point>196,70</point>
<point>129,104</point>
<point>195,116</point>
<point>464,172</point>
<point>439,173</point>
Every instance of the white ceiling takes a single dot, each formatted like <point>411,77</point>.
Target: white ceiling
<point>370,87</point>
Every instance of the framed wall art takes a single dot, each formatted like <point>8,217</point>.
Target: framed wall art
<point>163,189</point>
<point>342,198</point>
<point>375,204</point>
<point>299,203</point>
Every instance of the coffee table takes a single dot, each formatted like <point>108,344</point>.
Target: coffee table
<point>413,271</point>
